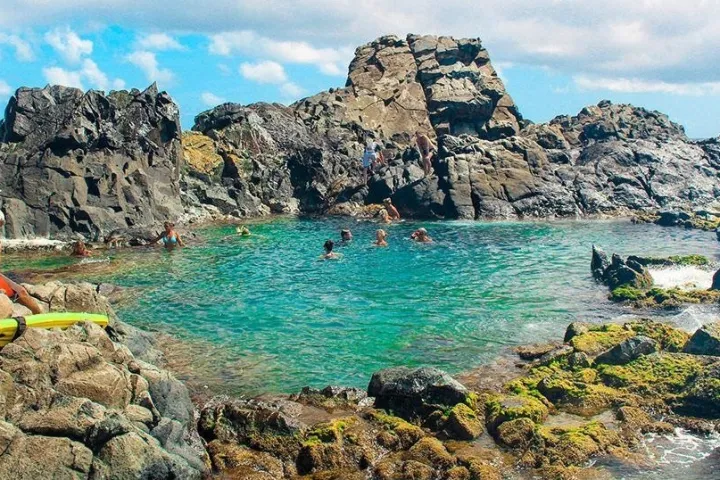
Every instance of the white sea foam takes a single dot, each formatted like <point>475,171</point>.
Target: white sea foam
<point>684,277</point>
<point>682,447</point>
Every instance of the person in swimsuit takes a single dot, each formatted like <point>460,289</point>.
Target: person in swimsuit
<point>169,237</point>
<point>384,216</point>
<point>18,294</point>
<point>243,231</point>
<point>426,147</point>
<point>421,236</point>
<point>346,236</point>
<point>380,238</point>
<point>391,210</point>
<point>329,254</point>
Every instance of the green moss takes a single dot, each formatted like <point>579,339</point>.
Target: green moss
<point>657,374</point>
<point>327,432</point>
<point>667,337</point>
<point>575,446</point>
<point>626,293</point>
<point>463,423</point>
<point>689,260</point>
<point>502,409</point>
<point>600,339</point>
<point>403,432</point>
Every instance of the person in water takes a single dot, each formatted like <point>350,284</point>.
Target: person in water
<point>384,216</point>
<point>18,294</point>
<point>381,238</point>
<point>391,210</point>
<point>421,236</point>
<point>80,250</point>
<point>242,230</point>
<point>329,254</point>
<point>426,147</point>
<point>169,237</point>
<point>346,235</point>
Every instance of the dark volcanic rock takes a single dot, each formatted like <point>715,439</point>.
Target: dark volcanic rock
<point>628,350</point>
<point>413,393</point>
<point>705,341</point>
<point>87,162</point>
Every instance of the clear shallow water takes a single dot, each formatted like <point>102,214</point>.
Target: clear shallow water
<point>266,315</point>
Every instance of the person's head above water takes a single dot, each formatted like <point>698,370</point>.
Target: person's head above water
<point>168,226</point>
<point>380,234</point>
<point>329,245</point>
<point>387,201</point>
<point>346,235</point>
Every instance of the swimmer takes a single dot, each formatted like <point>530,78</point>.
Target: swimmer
<point>346,236</point>
<point>384,216</point>
<point>421,236</point>
<point>242,230</point>
<point>329,254</point>
<point>18,294</point>
<point>80,250</point>
<point>392,211</point>
<point>380,238</point>
<point>169,237</point>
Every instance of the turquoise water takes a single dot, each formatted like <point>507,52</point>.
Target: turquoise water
<point>270,317</point>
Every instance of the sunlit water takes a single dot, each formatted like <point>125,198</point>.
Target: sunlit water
<point>267,316</point>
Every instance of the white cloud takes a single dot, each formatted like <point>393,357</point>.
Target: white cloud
<point>264,72</point>
<point>210,99</point>
<point>69,44</point>
<point>291,90</point>
<point>5,88</point>
<point>60,76</point>
<point>158,41</point>
<point>635,85</point>
<point>330,61</point>
<point>224,69</point>
<point>89,72</point>
<point>147,62</point>
<point>23,50</point>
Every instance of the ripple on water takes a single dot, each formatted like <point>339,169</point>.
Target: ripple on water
<point>274,318</point>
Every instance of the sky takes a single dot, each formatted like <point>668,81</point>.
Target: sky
<point>555,56</point>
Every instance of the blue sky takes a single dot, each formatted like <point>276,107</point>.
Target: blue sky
<point>556,56</point>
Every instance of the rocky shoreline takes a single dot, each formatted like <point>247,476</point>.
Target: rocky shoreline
<point>85,402</point>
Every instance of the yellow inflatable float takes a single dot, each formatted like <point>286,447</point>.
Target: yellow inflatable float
<point>11,328</point>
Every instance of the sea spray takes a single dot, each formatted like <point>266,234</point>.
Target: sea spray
<point>686,277</point>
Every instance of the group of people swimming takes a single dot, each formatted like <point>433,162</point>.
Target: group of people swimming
<point>346,237</point>
<point>373,154</point>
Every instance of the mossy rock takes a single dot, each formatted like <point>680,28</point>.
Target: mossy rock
<point>702,398</point>
<point>414,470</point>
<point>516,433</point>
<point>328,432</point>
<point>600,339</point>
<point>430,451</point>
<point>457,473</point>
<point>627,293</point>
<point>575,446</point>
<point>242,461</point>
<point>397,433</point>
<point>502,409</point>
<point>463,423</point>
<point>668,338</point>
<point>657,374</point>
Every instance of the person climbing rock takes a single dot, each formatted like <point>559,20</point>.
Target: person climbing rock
<point>18,294</point>
<point>368,159</point>
<point>426,148</point>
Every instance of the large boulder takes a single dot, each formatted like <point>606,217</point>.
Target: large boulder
<point>628,350</point>
<point>412,393</point>
<point>89,163</point>
<point>705,341</point>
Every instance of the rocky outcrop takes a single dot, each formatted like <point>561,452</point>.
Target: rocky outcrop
<point>76,404</point>
<point>89,163</point>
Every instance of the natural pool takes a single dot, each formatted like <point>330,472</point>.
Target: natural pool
<point>265,315</point>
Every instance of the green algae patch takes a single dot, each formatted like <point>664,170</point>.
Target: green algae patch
<point>600,339</point>
<point>668,338</point>
<point>662,297</point>
<point>575,446</point>
<point>397,433</point>
<point>328,432</point>
<point>626,293</point>
<point>463,423</point>
<point>502,409</point>
<point>656,374</point>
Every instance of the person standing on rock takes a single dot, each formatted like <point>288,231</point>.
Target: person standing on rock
<point>369,158</point>
<point>18,294</point>
<point>426,147</point>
